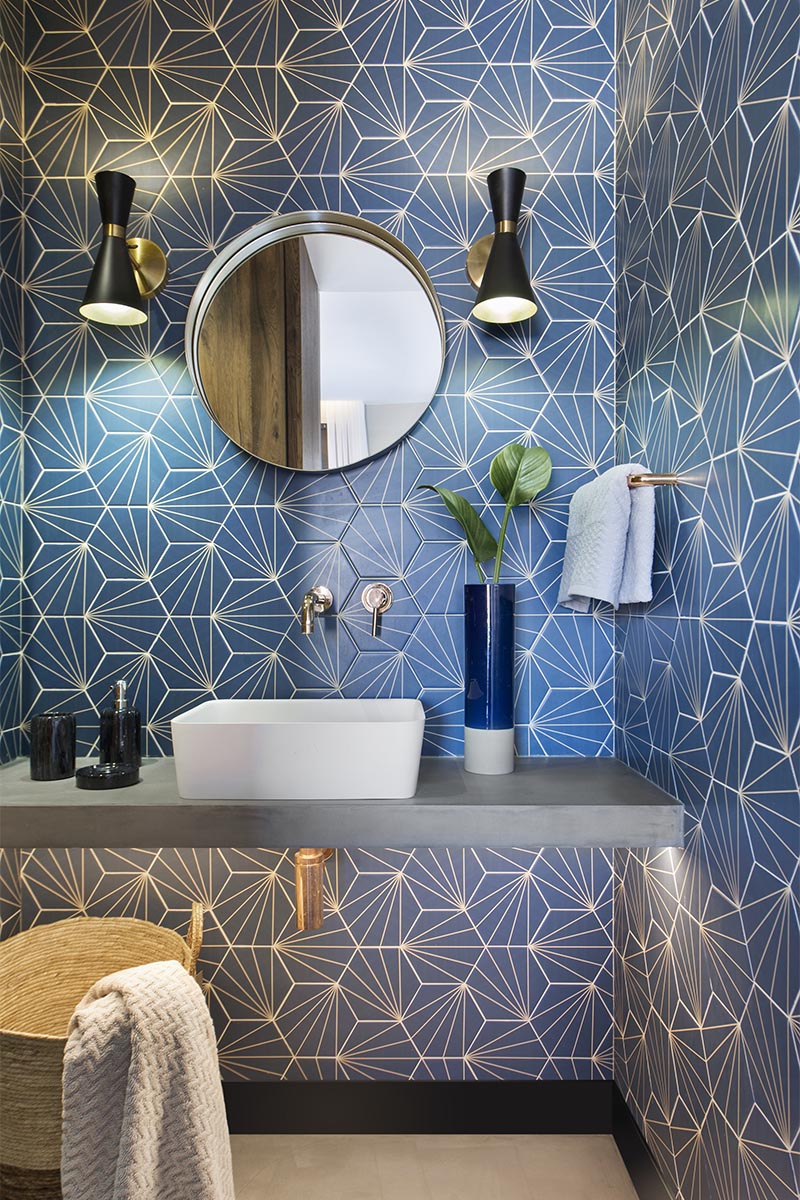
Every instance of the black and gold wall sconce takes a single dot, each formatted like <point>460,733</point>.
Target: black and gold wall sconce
<point>495,265</point>
<point>127,271</point>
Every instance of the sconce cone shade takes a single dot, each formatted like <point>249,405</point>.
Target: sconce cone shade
<point>112,297</point>
<point>505,293</point>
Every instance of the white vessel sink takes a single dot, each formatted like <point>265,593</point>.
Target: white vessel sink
<point>299,749</point>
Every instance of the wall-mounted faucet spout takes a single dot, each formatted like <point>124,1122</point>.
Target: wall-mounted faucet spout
<point>309,880</point>
<point>307,613</point>
<point>318,600</point>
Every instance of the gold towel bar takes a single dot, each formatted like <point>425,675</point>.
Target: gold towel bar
<point>652,480</point>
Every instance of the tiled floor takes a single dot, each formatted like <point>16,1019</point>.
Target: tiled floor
<point>429,1168</point>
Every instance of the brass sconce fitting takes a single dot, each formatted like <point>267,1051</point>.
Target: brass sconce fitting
<point>309,880</point>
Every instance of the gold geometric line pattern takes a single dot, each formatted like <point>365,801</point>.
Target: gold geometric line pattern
<point>430,965</point>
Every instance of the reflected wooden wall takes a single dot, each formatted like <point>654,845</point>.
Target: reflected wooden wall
<point>259,357</point>
<point>303,387</point>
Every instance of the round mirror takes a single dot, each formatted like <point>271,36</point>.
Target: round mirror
<point>315,341</point>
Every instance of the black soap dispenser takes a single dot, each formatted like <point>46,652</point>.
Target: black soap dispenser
<point>121,730</point>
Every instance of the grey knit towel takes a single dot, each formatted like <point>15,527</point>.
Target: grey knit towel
<point>143,1113</point>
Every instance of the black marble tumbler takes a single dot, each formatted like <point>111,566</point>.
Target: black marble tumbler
<point>52,746</point>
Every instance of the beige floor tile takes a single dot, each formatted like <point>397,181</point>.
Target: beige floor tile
<point>249,1157</point>
<point>400,1174</point>
<point>309,1166</point>
<point>574,1168</point>
<point>464,1167</point>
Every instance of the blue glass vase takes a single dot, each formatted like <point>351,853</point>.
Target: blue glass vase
<point>489,678</point>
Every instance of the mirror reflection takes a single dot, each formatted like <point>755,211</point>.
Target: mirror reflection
<point>319,351</point>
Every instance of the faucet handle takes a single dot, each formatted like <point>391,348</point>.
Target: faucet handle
<point>376,598</point>
<point>323,598</point>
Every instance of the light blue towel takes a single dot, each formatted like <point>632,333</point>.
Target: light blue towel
<point>610,540</point>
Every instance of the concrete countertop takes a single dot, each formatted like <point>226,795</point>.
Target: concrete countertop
<point>546,802</point>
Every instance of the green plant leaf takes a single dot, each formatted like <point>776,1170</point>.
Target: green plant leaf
<point>520,472</point>
<point>481,542</point>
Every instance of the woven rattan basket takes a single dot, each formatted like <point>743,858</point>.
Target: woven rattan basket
<point>44,973</point>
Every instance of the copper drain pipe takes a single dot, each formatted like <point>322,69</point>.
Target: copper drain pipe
<point>309,879</point>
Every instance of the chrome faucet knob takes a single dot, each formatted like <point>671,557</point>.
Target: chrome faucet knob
<point>376,598</point>
<point>323,598</point>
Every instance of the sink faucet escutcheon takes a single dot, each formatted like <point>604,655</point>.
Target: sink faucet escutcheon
<point>377,599</point>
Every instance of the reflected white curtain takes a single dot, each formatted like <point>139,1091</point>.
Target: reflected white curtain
<point>347,431</point>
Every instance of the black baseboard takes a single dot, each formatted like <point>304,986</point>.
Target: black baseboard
<point>641,1165</point>
<point>536,1106</point>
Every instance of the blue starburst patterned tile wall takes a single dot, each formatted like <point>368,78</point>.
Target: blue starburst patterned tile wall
<point>10,884</point>
<point>154,548</point>
<point>448,965</point>
<point>708,678</point>
<point>10,380</point>
<point>157,549</point>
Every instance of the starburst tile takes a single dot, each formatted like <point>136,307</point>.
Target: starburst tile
<point>708,939</point>
<point>431,964</point>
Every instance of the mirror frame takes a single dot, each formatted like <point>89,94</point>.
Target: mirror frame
<point>279,229</point>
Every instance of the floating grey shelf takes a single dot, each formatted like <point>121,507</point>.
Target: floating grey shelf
<point>546,802</point>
